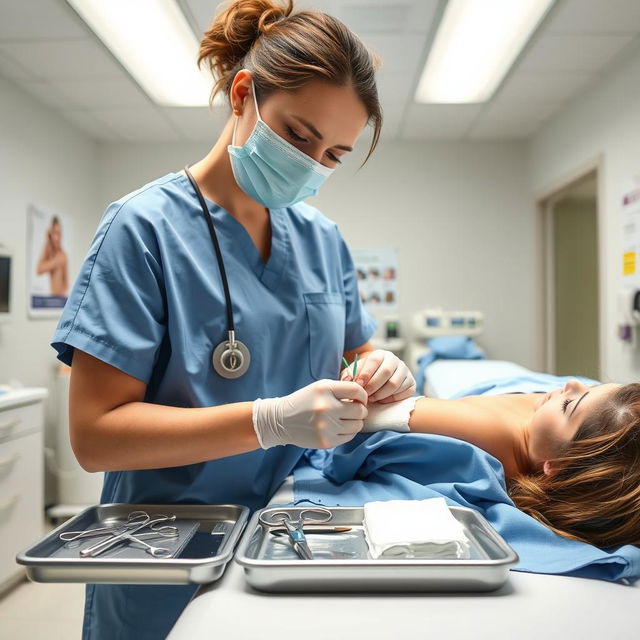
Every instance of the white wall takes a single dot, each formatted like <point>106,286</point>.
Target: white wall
<point>458,213</point>
<point>47,162</point>
<point>605,120</point>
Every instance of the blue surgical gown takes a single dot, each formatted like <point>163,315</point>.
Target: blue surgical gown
<point>149,301</point>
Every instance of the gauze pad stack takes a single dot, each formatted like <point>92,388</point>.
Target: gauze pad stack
<point>414,529</point>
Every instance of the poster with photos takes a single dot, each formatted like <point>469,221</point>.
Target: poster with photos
<point>377,273</point>
<point>48,239</point>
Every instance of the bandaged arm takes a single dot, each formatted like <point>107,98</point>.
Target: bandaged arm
<point>393,416</point>
<point>478,421</point>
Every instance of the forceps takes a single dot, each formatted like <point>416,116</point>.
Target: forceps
<point>133,519</point>
<point>295,526</point>
<point>127,534</point>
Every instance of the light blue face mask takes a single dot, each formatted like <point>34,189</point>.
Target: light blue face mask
<point>271,170</point>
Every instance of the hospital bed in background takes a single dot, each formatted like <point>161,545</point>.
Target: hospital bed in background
<point>444,377</point>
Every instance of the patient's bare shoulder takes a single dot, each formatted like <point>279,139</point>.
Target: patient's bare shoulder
<point>493,423</point>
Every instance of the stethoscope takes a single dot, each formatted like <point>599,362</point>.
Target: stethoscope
<point>231,358</point>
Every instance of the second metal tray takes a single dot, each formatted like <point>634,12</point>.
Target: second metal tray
<point>202,560</point>
<point>342,562</point>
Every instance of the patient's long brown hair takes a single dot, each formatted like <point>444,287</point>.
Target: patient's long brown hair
<point>593,494</point>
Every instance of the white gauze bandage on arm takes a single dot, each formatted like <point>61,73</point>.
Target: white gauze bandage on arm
<point>393,416</point>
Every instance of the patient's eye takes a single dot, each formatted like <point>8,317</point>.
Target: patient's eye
<point>565,404</point>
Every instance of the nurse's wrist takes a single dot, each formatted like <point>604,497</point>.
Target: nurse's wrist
<point>266,417</point>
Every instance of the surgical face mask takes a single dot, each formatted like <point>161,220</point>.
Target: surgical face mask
<point>271,170</point>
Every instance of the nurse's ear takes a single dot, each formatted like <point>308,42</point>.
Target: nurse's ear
<point>240,92</point>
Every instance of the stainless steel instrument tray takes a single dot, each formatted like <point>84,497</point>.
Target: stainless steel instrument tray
<point>342,563</point>
<point>202,560</point>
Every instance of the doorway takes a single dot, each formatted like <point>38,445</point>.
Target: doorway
<point>572,279</point>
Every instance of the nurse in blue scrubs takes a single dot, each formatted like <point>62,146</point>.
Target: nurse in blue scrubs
<point>174,406</point>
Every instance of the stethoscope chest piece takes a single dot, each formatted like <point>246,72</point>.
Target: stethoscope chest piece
<point>231,358</point>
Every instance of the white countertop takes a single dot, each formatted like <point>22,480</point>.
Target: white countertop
<point>528,607</point>
<point>17,397</point>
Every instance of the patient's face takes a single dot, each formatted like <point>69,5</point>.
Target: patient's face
<point>558,416</point>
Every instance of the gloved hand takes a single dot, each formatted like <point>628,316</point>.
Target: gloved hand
<point>318,416</point>
<point>383,376</point>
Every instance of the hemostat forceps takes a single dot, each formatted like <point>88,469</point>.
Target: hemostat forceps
<point>295,526</point>
<point>135,518</point>
<point>128,534</point>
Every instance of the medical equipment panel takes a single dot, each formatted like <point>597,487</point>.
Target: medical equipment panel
<point>139,544</point>
<point>341,560</point>
<point>5,283</point>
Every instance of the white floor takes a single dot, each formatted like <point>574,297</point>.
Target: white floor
<point>33,611</point>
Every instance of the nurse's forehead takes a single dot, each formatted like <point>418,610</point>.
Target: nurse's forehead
<point>324,102</point>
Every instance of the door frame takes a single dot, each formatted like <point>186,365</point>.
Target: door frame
<point>546,293</point>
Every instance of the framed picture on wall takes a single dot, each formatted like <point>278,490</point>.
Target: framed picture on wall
<point>377,274</point>
<point>48,262</point>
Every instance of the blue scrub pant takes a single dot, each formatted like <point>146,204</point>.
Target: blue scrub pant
<point>128,612</point>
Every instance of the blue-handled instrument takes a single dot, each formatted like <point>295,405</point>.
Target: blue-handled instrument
<point>295,526</point>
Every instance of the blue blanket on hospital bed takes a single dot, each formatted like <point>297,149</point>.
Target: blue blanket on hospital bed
<point>411,466</point>
<point>448,348</point>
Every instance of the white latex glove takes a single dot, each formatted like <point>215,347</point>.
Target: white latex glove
<point>321,415</point>
<point>383,376</point>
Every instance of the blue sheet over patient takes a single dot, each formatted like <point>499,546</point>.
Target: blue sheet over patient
<point>388,465</point>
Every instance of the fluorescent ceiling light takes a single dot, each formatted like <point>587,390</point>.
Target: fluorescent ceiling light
<point>475,46</point>
<point>153,41</point>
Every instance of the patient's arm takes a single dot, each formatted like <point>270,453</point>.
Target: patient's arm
<point>491,423</point>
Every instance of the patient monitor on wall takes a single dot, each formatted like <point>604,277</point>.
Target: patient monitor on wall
<point>629,316</point>
<point>433,323</point>
<point>5,283</point>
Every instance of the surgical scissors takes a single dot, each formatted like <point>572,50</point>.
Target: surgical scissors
<point>295,526</point>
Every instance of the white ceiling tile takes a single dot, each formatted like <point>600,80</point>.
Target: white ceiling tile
<point>435,121</point>
<point>501,109</point>
<point>363,16</point>
<point>505,130</point>
<point>595,16</point>
<point>45,93</point>
<point>88,123</point>
<point>197,123</point>
<point>138,124</point>
<point>502,120</point>
<point>386,16</point>
<point>99,93</point>
<point>397,57</point>
<point>394,88</point>
<point>36,19</point>
<point>573,52</point>
<point>51,59</point>
<point>543,87</point>
<point>12,69</point>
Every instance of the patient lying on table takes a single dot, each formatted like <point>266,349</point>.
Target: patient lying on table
<point>571,456</point>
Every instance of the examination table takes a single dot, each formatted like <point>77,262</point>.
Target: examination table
<point>529,606</point>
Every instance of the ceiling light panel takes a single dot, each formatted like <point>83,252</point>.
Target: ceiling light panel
<point>475,46</point>
<point>153,41</point>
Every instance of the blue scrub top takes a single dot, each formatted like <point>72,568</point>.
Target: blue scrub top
<point>149,301</point>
